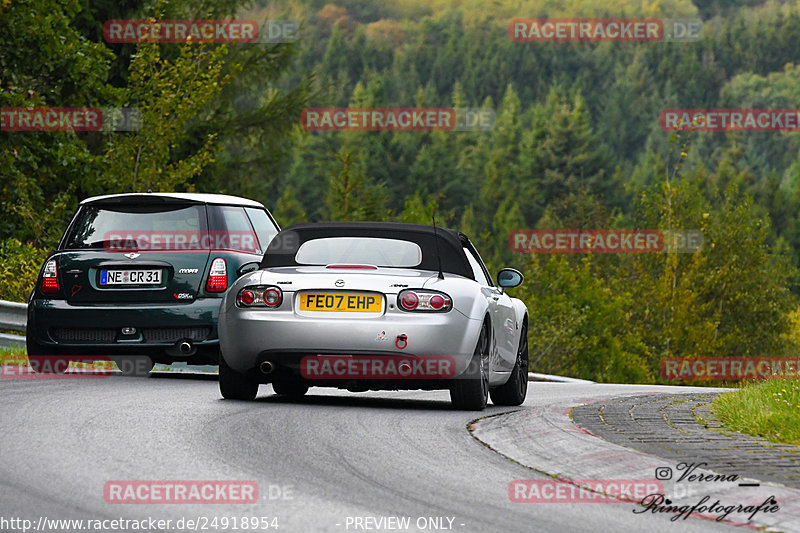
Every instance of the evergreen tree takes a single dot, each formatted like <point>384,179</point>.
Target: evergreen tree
<point>288,210</point>
<point>561,153</point>
<point>351,196</point>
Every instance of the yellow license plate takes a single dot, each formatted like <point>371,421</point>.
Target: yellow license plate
<point>342,302</point>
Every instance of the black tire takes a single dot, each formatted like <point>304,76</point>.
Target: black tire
<point>470,391</point>
<point>514,390</point>
<point>44,359</point>
<point>138,366</point>
<point>291,388</point>
<point>234,385</point>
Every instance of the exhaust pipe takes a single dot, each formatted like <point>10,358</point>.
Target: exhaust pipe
<point>266,367</point>
<point>182,348</point>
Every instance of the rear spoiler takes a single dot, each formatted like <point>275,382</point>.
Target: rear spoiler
<point>144,198</point>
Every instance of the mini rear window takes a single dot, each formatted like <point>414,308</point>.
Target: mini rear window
<point>263,225</point>
<point>359,250</point>
<point>99,227</point>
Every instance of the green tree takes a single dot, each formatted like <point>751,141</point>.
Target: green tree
<point>562,153</point>
<point>581,323</point>
<point>351,196</point>
<point>730,298</point>
<point>170,94</point>
<point>45,62</point>
<point>417,211</point>
<point>500,179</point>
<point>21,264</point>
<point>288,210</point>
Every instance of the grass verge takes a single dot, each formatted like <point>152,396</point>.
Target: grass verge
<point>769,409</point>
<point>18,357</point>
<point>13,356</point>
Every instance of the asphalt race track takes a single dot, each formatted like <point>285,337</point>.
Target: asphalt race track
<point>332,461</point>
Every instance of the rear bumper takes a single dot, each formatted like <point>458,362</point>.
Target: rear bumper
<point>99,326</point>
<point>250,336</point>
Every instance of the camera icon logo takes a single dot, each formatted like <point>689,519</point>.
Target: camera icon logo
<point>663,473</point>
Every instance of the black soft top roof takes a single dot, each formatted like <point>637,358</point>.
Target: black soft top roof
<point>282,249</point>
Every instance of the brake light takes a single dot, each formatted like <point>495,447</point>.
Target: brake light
<point>409,300</point>
<point>50,278</point>
<point>217,276</point>
<point>424,300</point>
<point>353,267</point>
<point>260,296</point>
<point>436,302</point>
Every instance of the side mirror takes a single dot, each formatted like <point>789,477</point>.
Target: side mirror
<point>247,267</point>
<point>508,278</point>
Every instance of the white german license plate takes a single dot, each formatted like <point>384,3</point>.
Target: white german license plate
<point>130,277</point>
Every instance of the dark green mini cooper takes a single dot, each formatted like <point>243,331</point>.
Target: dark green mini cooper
<point>138,278</point>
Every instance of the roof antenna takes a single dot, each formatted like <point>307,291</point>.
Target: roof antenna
<point>436,240</point>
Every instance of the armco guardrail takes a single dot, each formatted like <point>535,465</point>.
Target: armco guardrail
<point>533,376</point>
<point>11,341</point>
<point>13,316</point>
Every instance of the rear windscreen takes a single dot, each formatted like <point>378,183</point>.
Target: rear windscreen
<point>107,226</point>
<point>360,250</point>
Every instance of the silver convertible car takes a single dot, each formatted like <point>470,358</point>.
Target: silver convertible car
<point>374,306</point>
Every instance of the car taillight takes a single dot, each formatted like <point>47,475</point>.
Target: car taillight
<point>409,300</point>
<point>50,278</point>
<point>217,276</point>
<point>424,300</point>
<point>270,297</point>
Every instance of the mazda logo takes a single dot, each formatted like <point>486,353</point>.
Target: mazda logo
<point>339,283</point>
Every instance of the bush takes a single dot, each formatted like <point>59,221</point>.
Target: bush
<point>19,267</point>
<point>579,326</point>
